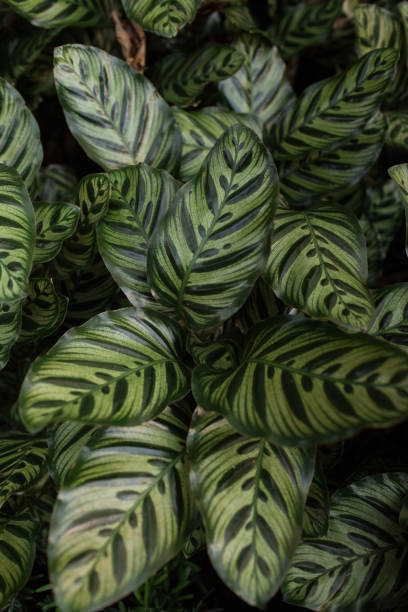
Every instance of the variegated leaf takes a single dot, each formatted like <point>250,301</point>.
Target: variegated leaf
<point>396,135</point>
<point>43,311</point>
<point>55,221</point>
<point>10,325</point>
<point>66,442</point>
<point>163,17</point>
<point>391,314</point>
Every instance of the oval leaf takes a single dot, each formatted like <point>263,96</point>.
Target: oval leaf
<point>301,381</point>
<point>121,367</point>
<point>212,245</point>
<point>57,13</point>
<point>251,496</point>
<point>163,17</point>
<point>113,111</point>
<point>55,221</point>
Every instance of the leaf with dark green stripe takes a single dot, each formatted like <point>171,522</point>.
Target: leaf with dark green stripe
<point>56,183</point>
<point>318,264</point>
<point>300,381</point>
<point>43,310</point>
<point>207,253</point>
<point>260,86</point>
<point>201,129</point>
<point>306,25</point>
<point>327,172</point>
<point>17,550</point>
<point>163,17</point>
<point>10,325</point>
<point>181,76</point>
<point>396,135</point>
<point>23,461</point>
<point>100,552</point>
<point>23,50</point>
<point>55,221</point>
<point>332,110</point>
<point>391,314</point>
<point>316,514</point>
<point>399,174</point>
<point>251,496</point>
<point>261,304</point>
<point>57,13</point>
<point>139,199</point>
<point>20,144</point>
<point>113,111</point>
<point>361,562</point>
<point>121,367</point>
<point>66,441</point>
<point>238,17</point>
<point>17,233</point>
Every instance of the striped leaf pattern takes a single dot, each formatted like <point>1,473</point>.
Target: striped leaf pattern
<point>57,13</point>
<point>22,51</point>
<point>316,514</point>
<point>399,174</point>
<point>318,263</point>
<point>57,183</point>
<point>180,77</point>
<point>201,129</point>
<point>210,248</point>
<point>332,110</point>
<point>251,496</point>
<point>238,17</point>
<point>301,381</point>
<point>140,197</point>
<point>361,562</point>
<point>20,144</point>
<point>326,172</point>
<point>113,111</point>
<point>306,25</point>
<point>10,324</point>
<point>260,86</point>
<point>55,221</point>
<point>261,304</point>
<point>391,314</point>
<point>23,461</point>
<point>43,310</point>
<point>17,550</point>
<point>66,441</point>
<point>163,17</point>
<point>99,553</point>
<point>396,135</point>
<point>121,367</point>
<point>17,234</point>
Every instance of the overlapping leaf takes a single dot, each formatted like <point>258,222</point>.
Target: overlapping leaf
<point>251,496</point>
<point>326,172</point>
<point>17,231</point>
<point>113,111</point>
<point>22,51</point>
<point>181,76</point>
<point>238,17</point>
<point>57,183</point>
<point>55,221</point>
<point>316,514</point>
<point>66,441</point>
<point>139,199</point>
<point>361,562</point>
<point>17,550</point>
<point>301,381</point>
<point>391,314</point>
<point>10,324</point>
<point>201,129</point>
<point>43,311</point>
<point>318,263</point>
<point>57,13</point>
<point>399,174</point>
<point>261,304</point>
<point>306,25</point>
<point>99,553</point>
<point>397,130</point>
<point>210,248</point>
<point>121,367</point>
<point>332,110</point>
<point>260,86</point>
<point>163,17</point>
<point>23,460</point>
<point>20,144</point>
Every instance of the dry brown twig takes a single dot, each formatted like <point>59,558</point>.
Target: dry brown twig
<point>132,40</point>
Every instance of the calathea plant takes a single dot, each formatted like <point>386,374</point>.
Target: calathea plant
<point>188,336</point>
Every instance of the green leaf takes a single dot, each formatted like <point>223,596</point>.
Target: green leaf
<point>17,232</point>
<point>43,312</point>
<point>260,305</point>
<point>66,441</point>
<point>399,174</point>
<point>238,17</point>
<point>316,514</point>
<point>306,25</point>
<point>98,553</point>
<point>181,76</point>
<point>17,550</point>
<point>139,199</point>
<point>23,461</point>
<point>318,263</point>
<point>57,183</point>
<point>391,314</point>
<point>22,51</point>
<point>260,86</point>
<point>10,324</point>
<point>300,381</point>
<point>163,17</point>
<point>361,562</point>
<point>201,129</point>
<point>332,110</point>
<point>55,221</point>
<point>327,172</point>
<point>113,111</point>
<point>57,13</point>
<point>251,496</point>
<point>121,367</point>
<point>396,135</point>
<point>207,253</point>
<point>20,144</point>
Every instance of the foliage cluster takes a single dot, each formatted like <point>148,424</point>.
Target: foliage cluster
<point>202,332</point>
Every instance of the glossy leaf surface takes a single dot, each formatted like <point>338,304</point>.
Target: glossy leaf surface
<point>121,367</point>
<point>163,17</point>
